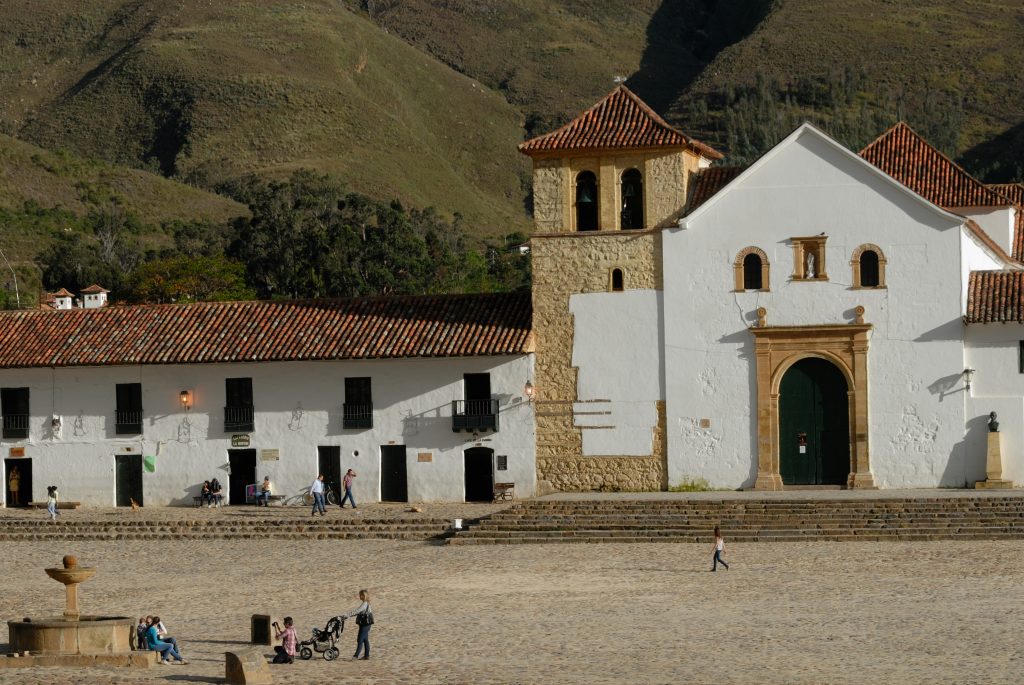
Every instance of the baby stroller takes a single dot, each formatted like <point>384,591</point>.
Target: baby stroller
<point>322,641</point>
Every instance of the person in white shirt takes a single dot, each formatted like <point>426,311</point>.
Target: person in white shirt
<point>719,550</point>
<point>317,490</point>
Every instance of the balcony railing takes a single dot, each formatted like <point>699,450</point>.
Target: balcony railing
<point>238,419</point>
<point>474,415</point>
<point>127,422</point>
<point>15,425</point>
<point>357,415</point>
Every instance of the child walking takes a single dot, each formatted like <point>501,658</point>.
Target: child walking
<point>719,549</point>
<point>51,502</point>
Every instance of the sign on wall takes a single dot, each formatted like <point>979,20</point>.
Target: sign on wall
<point>270,455</point>
<point>239,440</point>
<point>425,456</point>
<point>17,452</point>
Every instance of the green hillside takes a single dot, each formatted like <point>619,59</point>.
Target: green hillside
<point>207,92</point>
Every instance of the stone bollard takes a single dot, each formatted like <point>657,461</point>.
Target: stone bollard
<point>247,667</point>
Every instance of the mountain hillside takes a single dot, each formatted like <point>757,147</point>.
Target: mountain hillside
<point>207,92</point>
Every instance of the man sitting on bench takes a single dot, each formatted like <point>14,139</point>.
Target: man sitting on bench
<point>264,493</point>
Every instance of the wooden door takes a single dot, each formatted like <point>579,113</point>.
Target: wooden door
<point>814,433</point>
<point>394,486</point>
<point>243,472</point>
<point>479,474</point>
<point>127,479</point>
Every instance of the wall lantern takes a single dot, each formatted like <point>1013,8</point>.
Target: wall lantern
<point>529,391</point>
<point>968,377</point>
<point>186,399</point>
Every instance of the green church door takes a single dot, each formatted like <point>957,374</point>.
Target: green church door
<point>814,425</point>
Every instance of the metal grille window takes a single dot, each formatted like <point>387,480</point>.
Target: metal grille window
<point>128,412</point>
<point>358,407</point>
<point>239,414</point>
<point>14,407</point>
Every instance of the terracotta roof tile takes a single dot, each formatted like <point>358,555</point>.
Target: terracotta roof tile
<point>709,181</point>
<point>63,292</point>
<point>911,160</point>
<point>1011,191</point>
<point>94,289</point>
<point>619,120</point>
<point>286,330</point>
<point>995,297</point>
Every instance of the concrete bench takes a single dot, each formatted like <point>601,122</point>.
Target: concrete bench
<point>60,505</point>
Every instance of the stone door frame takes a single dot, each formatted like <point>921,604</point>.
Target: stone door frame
<point>776,349</point>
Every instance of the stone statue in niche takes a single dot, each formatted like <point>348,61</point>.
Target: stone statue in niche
<point>993,425</point>
<point>811,259</point>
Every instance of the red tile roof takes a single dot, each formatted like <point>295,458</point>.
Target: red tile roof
<point>63,292</point>
<point>995,297</point>
<point>912,161</point>
<point>709,181</point>
<point>1011,191</point>
<point>620,120</point>
<point>94,289</point>
<point>286,330</point>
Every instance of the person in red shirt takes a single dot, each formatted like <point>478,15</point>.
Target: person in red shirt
<point>286,650</point>
<point>346,482</point>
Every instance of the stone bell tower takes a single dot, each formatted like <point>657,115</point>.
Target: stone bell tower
<point>604,187</point>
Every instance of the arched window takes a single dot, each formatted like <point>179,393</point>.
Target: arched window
<point>750,270</point>
<point>586,201</point>
<point>617,280</point>
<point>632,214</point>
<point>868,265</point>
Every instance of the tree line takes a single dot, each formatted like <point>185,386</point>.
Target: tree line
<point>306,237</point>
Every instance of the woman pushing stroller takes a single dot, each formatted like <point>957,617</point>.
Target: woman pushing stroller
<point>364,619</point>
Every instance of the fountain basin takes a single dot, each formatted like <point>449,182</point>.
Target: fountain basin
<point>70,576</point>
<point>57,636</point>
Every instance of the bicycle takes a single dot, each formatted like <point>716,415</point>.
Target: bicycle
<point>329,496</point>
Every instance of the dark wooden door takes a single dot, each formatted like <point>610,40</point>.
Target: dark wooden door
<point>479,474</point>
<point>127,479</point>
<point>814,425</point>
<point>329,464</point>
<point>23,470</point>
<point>243,472</point>
<point>394,486</point>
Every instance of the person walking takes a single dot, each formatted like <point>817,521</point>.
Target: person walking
<point>264,495</point>
<point>51,502</point>
<point>13,486</point>
<point>317,490</point>
<point>364,619</point>
<point>719,550</point>
<point>346,482</point>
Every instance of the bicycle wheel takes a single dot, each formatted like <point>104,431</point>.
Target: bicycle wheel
<point>332,498</point>
<point>307,499</point>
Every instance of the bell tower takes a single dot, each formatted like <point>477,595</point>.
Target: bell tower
<point>604,187</point>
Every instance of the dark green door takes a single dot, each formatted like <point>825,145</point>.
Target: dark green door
<point>814,425</point>
<point>128,479</point>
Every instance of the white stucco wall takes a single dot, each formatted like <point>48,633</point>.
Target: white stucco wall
<point>975,256</point>
<point>298,407</point>
<point>997,386</point>
<point>997,222</point>
<point>806,187</point>
<point>618,353</point>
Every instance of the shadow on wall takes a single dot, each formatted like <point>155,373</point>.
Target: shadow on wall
<point>947,385</point>
<point>745,351</point>
<point>683,37</point>
<point>967,461</point>
<point>952,330</point>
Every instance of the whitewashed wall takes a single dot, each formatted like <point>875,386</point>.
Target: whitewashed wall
<point>998,386</point>
<point>803,188</point>
<point>298,407</point>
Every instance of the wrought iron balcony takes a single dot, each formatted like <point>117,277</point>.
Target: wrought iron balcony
<point>239,419</point>
<point>15,425</point>
<point>127,422</point>
<point>357,415</point>
<point>474,415</point>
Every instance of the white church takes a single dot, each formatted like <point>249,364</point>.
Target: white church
<point>821,318</point>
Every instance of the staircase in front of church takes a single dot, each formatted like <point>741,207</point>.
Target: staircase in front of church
<point>791,520</point>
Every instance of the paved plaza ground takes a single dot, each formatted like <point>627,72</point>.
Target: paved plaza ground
<point>644,613</point>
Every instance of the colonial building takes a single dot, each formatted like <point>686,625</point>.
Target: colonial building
<point>424,397</point>
<point>818,318</point>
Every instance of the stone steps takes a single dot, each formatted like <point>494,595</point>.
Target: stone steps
<point>955,518</point>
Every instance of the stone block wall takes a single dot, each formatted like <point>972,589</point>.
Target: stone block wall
<point>564,265</point>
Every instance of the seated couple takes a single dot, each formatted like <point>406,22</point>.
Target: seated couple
<point>212,494</point>
<point>152,634</point>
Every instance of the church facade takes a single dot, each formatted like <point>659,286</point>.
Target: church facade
<point>820,318</point>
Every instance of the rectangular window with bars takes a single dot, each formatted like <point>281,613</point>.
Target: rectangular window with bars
<point>128,412</point>
<point>357,411</point>
<point>14,408</point>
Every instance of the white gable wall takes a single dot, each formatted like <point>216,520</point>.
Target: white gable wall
<point>805,187</point>
<point>998,385</point>
<point>298,406</point>
<point>997,222</point>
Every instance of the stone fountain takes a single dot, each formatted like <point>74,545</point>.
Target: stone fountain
<point>73,640</point>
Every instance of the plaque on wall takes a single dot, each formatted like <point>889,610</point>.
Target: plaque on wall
<point>17,452</point>
<point>240,440</point>
<point>270,455</point>
<point>425,456</point>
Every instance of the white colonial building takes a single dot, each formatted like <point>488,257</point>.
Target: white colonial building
<point>424,397</point>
